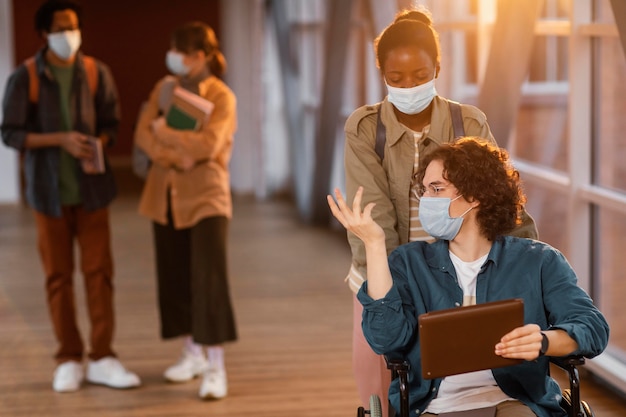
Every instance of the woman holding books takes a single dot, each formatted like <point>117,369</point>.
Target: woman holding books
<point>187,197</point>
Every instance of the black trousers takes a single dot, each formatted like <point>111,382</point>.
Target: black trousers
<point>194,297</point>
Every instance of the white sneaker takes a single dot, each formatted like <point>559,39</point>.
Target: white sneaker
<point>213,385</point>
<point>110,372</point>
<point>188,367</point>
<point>67,377</point>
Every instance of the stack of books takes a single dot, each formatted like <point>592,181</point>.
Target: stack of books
<point>188,111</point>
<point>94,165</point>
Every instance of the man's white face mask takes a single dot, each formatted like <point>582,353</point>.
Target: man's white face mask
<point>65,44</point>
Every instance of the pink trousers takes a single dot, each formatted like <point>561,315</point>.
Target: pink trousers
<point>370,369</point>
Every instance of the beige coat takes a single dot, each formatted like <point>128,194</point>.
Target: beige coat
<point>389,184</point>
<point>204,190</point>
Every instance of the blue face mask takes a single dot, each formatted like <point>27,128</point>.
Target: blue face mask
<point>434,214</point>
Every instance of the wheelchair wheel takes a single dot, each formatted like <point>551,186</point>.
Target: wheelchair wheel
<point>375,408</point>
<point>566,404</point>
<point>586,409</point>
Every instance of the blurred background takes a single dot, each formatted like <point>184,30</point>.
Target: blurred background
<point>549,74</point>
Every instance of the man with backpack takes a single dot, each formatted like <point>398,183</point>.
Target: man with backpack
<point>57,105</point>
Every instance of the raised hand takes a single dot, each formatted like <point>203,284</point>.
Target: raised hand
<point>354,220</point>
<point>365,228</point>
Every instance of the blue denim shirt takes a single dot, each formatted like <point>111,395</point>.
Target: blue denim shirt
<point>424,279</point>
<point>91,115</point>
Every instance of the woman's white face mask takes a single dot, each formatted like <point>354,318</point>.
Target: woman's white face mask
<point>412,100</point>
<point>65,44</point>
<point>174,62</point>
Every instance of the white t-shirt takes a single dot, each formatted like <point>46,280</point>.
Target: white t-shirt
<point>473,389</point>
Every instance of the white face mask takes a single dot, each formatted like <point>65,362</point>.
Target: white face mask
<point>412,100</point>
<point>174,63</point>
<point>65,44</point>
<point>434,214</point>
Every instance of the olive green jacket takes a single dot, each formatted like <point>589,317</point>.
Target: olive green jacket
<point>388,184</point>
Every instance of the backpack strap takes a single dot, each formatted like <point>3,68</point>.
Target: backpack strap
<point>33,80</point>
<point>457,119</point>
<point>381,131</point>
<point>91,70</point>
<point>381,136</point>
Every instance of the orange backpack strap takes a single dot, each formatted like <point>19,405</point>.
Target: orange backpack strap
<point>91,70</point>
<point>33,80</point>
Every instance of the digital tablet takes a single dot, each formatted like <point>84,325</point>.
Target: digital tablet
<point>463,339</point>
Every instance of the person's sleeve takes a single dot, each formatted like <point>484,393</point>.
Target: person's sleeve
<point>569,307</point>
<point>107,105</point>
<point>363,167</point>
<point>15,106</point>
<point>215,135</point>
<point>390,323</point>
<point>478,126</point>
<point>144,137</point>
<point>527,228</point>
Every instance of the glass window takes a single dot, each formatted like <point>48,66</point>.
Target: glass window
<point>608,155</point>
<point>549,59</point>
<point>603,12</point>
<point>556,9</point>
<point>541,133</point>
<point>609,120</point>
<point>610,289</point>
<point>549,209</point>
<point>471,54</point>
<point>541,130</point>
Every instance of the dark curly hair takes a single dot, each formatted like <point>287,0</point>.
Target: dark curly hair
<point>45,13</point>
<point>409,28</point>
<point>481,171</point>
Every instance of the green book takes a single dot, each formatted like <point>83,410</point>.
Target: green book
<point>177,118</point>
<point>188,111</point>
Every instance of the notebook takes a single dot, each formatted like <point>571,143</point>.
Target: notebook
<point>188,111</point>
<point>463,339</point>
<point>95,164</point>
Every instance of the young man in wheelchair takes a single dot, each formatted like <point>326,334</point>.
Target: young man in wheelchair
<point>469,199</point>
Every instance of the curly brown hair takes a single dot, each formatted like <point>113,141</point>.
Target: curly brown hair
<point>482,171</point>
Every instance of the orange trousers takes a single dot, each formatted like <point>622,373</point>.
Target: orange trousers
<point>56,237</point>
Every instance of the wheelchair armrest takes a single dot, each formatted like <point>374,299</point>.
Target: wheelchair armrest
<point>400,369</point>
<point>569,363</point>
<point>566,362</point>
<point>397,364</point>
